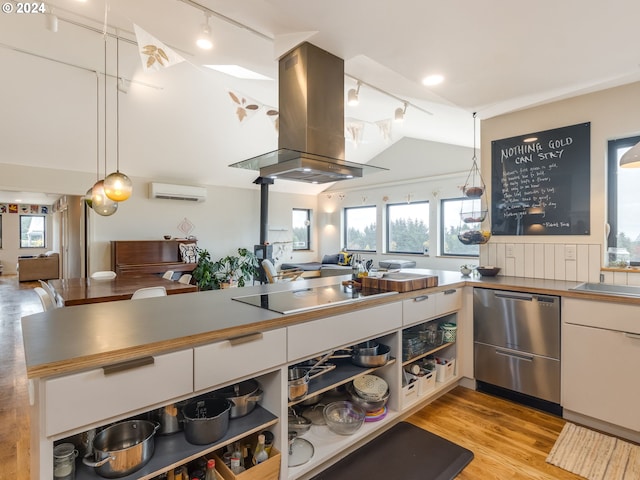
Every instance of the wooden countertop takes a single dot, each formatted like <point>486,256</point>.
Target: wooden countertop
<point>75,338</point>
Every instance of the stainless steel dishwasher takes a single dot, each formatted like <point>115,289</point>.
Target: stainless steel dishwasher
<point>517,346</point>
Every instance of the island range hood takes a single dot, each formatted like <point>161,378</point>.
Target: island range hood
<point>311,142</point>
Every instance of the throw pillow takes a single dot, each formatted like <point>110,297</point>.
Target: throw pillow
<point>344,258</point>
<point>189,252</point>
<point>331,259</point>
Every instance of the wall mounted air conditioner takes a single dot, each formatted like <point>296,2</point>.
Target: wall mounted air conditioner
<point>177,192</point>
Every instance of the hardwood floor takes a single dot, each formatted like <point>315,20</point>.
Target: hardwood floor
<point>509,441</point>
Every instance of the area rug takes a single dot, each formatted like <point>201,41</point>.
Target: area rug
<point>404,452</point>
<point>595,456</point>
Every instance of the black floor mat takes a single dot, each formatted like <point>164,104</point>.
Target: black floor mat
<point>404,452</point>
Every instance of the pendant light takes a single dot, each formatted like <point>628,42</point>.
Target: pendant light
<point>117,186</point>
<point>631,158</point>
<point>100,203</point>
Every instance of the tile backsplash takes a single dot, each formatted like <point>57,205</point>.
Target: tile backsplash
<point>556,261</point>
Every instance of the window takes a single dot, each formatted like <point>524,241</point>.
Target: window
<point>301,223</point>
<point>408,227</point>
<point>623,201</point>
<point>360,228</point>
<point>0,231</point>
<point>450,225</point>
<point>32,231</point>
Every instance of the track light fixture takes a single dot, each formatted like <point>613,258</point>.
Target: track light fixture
<point>204,40</point>
<point>51,21</point>
<point>352,96</point>
<point>399,114</point>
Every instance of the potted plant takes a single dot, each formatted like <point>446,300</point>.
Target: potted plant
<point>228,271</point>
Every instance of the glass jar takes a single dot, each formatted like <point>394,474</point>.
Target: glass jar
<point>64,461</point>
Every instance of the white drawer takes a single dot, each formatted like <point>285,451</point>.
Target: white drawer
<point>220,362</point>
<point>87,397</point>
<point>418,308</point>
<point>308,339</point>
<point>448,301</point>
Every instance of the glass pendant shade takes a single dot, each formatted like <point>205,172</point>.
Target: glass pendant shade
<point>631,158</point>
<point>87,197</point>
<point>102,204</point>
<point>118,187</point>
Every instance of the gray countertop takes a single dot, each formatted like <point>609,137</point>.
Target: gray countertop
<point>85,336</point>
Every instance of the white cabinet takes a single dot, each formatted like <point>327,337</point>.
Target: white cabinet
<point>426,306</point>
<point>600,358</point>
<point>227,360</point>
<point>310,338</point>
<point>102,393</point>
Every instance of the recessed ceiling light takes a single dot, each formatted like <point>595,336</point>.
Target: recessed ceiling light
<point>431,80</point>
<point>238,72</point>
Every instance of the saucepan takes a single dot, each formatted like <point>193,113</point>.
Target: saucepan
<point>367,355</point>
<point>299,378</point>
<point>244,397</point>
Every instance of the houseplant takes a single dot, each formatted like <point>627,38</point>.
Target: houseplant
<point>227,271</point>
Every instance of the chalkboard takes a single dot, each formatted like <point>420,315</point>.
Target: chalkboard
<point>541,186</point>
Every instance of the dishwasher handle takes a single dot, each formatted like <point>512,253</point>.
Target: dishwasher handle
<point>518,356</point>
<point>515,296</point>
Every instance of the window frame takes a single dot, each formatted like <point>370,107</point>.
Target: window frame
<point>308,234</point>
<point>346,227</point>
<point>388,229</point>
<point>441,226</point>
<point>612,184</point>
<point>44,231</point>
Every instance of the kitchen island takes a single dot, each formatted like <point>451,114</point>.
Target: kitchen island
<point>199,342</point>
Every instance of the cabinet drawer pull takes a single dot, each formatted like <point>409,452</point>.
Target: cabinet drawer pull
<point>252,337</point>
<point>450,291</point>
<point>634,336</point>
<point>421,298</point>
<point>127,365</point>
<point>526,358</point>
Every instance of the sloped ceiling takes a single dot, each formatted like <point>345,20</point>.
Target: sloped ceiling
<point>179,125</point>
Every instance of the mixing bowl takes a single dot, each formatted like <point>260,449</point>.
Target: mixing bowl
<point>344,418</point>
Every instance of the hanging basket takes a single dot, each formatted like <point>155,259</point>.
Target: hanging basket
<point>474,237</point>
<point>475,216</point>
<point>474,187</point>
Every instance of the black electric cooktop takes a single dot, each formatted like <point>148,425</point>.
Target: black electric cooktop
<point>292,301</point>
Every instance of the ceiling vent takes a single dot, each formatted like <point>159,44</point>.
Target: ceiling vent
<point>177,192</point>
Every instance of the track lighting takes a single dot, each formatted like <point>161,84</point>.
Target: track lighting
<point>352,96</point>
<point>204,40</point>
<point>400,111</point>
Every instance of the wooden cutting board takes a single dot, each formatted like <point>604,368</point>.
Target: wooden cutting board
<point>408,284</point>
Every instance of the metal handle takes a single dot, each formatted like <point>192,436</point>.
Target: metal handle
<point>128,365</point>
<point>421,298</point>
<point>515,296</point>
<point>87,461</point>
<point>526,358</point>
<point>634,336</point>
<point>252,337</point>
<point>450,291</point>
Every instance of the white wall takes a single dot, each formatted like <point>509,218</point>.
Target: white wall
<point>228,219</point>
<point>613,113</point>
<point>427,171</point>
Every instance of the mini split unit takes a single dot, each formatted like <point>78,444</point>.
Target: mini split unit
<point>177,192</point>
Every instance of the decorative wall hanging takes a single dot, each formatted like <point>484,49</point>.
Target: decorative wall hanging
<point>354,130</point>
<point>186,227</point>
<point>24,208</point>
<point>245,106</point>
<point>154,54</point>
<point>274,115</point>
<point>384,127</point>
<point>540,182</point>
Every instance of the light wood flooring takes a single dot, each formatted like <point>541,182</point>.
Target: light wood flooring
<point>509,441</point>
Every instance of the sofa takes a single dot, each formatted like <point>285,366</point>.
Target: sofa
<point>41,267</point>
<point>331,265</point>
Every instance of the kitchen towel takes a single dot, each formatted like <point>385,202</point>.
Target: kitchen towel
<point>593,455</point>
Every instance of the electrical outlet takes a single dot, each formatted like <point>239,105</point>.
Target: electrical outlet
<point>569,252</point>
<point>510,250</point>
